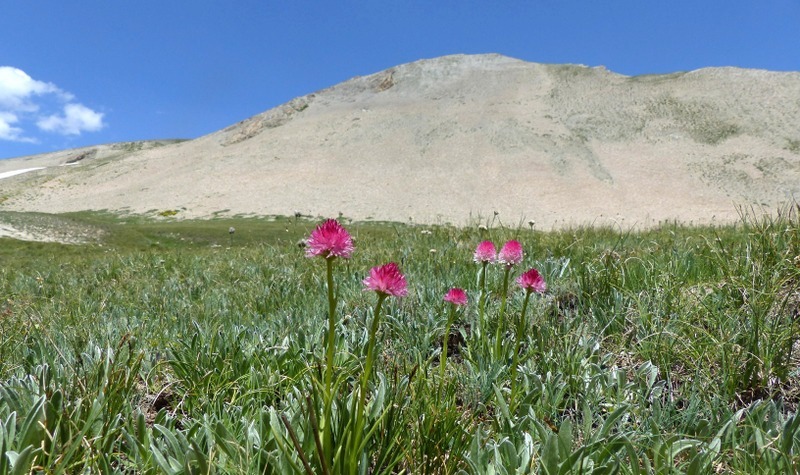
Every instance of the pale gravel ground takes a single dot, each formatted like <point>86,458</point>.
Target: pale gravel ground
<point>457,138</point>
<point>47,230</point>
<point>10,231</point>
<point>14,232</point>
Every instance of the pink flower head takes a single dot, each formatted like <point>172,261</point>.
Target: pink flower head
<point>485,252</point>
<point>328,240</point>
<point>387,280</point>
<point>532,281</point>
<point>456,297</point>
<point>511,253</point>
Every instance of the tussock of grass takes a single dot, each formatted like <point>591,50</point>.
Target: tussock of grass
<point>176,347</point>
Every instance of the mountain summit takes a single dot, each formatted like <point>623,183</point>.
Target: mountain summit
<point>458,137</point>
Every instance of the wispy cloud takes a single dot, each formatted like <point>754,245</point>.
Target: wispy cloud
<point>24,100</point>
<point>7,131</point>
<point>75,119</point>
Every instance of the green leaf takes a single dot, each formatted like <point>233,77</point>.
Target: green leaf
<point>225,440</point>
<point>565,438</point>
<point>501,403</point>
<point>162,462</point>
<point>681,445</point>
<point>31,431</point>
<point>21,463</point>
<point>608,424</point>
<point>790,433</point>
<point>551,455</point>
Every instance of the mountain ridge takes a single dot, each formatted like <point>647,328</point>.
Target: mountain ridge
<point>451,138</point>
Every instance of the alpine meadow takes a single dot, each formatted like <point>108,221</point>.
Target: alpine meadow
<point>176,347</point>
<point>463,265</point>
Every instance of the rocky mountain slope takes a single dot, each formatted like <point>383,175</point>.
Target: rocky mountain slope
<point>456,138</point>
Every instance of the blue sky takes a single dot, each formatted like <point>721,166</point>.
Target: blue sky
<point>101,71</point>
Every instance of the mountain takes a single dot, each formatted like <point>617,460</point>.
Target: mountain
<point>458,138</point>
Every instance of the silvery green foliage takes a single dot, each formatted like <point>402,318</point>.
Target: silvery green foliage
<point>666,351</point>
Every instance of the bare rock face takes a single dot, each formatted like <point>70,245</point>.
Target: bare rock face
<point>268,120</point>
<point>457,138</point>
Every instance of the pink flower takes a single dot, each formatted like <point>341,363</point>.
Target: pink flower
<point>485,252</point>
<point>532,281</point>
<point>511,253</point>
<point>328,240</point>
<point>456,297</point>
<point>387,280</point>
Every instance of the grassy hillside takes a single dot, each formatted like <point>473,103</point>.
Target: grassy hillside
<point>176,347</point>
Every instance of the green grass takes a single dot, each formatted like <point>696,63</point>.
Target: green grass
<point>172,346</point>
<point>792,145</point>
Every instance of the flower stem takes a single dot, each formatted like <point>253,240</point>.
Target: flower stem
<point>327,422</point>
<point>370,350</point>
<point>331,327</point>
<point>517,346</point>
<point>443,357</point>
<point>356,430</point>
<point>501,320</point>
<point>482,298</point>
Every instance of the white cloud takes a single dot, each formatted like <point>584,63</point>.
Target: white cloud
<point>24,100</point>
<point>17,88</point>
<point>7,132</point>
<point>76,119</point>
